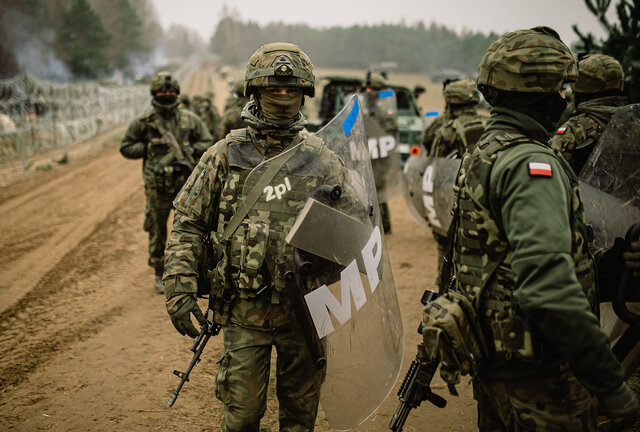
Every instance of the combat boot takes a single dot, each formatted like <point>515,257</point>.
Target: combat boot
<point>158,284</point>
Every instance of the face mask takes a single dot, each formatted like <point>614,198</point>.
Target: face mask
<point>167,99</point>
<point>557,106</point>
<point>280,106</point>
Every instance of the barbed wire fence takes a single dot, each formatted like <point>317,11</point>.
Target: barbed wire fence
<point>38,115</point>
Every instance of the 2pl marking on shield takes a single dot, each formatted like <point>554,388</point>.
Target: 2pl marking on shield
<point>540,169</point>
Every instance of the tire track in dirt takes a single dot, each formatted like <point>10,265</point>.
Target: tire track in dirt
<point>67,304</point>
<point>51,220</point>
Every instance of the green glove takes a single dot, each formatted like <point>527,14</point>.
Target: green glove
<point>180,308</point>
<point>621,407</point>
<point>632,258</point>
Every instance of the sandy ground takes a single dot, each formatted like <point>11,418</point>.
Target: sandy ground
<point>86,344</point>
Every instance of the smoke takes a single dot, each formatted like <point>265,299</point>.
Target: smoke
<point>31,47</point>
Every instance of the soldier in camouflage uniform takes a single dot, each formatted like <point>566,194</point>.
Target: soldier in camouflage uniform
<point>246,280</point>
<point>461,132</point>
<point>232,118</point>
<point>520,254</point>
<point>169,140</point>
<point>598,94</point>
<point>458,135</point>
<point>203,106</point>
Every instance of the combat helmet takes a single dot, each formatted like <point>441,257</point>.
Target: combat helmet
<point>279,64</point>
<point>598,73</point>
<point>530,61</point>
<point>164,81</point>
<point>461,91</point>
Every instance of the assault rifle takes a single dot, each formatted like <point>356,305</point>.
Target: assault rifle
<point>176,152</point>
<point>208,329</point>
<point>415,387</point>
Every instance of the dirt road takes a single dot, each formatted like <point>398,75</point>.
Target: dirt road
<point>86,344</point>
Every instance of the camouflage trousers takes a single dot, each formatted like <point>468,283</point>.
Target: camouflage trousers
<point>553,402</point>
<point>157,207</point>
<point>243,377</point>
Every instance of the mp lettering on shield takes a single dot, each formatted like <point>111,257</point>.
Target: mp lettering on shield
<point>381,147</point>
<point>321,301</point>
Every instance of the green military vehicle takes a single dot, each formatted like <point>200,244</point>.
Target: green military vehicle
<point>410,122</point>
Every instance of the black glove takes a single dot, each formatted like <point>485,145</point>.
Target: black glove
<point>181,317</point>
<point>621,407</point>
<point>632,258</point>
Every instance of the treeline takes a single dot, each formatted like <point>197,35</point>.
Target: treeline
<point>68,39</point>
<point>415,48</point>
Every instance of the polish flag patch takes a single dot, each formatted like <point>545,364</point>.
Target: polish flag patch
<point>561,131</point>
<point>540,169</point>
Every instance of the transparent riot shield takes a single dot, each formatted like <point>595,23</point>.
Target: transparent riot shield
<point>320,205</point>
<point>379,112</point>
<point>428,190</point>
<point>610,180</point>
<point>610,190</point>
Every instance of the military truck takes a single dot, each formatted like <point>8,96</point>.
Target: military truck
<point>410,122</point>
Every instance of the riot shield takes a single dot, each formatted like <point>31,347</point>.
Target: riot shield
<point>610,190</point>
<point>328,226</point>
<point>610,180</point>
<point>428,190</point>
<point>379,112</point>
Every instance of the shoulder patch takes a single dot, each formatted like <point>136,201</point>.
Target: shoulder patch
<point>561,130</point>
<point>540,169</point>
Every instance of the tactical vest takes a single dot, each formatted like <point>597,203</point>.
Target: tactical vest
<point>482,255</point>
<point>247,260</point>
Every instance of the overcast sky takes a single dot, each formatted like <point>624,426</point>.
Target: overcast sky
<point>477,15</point>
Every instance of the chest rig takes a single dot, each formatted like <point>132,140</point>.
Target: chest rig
<point>482,255</point>
<point>247,256</point>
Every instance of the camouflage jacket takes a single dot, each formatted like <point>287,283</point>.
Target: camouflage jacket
<point>584,127</point>
<point>459,134</point>
<point>521,238</point>
<point>245,280</point>
<point>143,140</point>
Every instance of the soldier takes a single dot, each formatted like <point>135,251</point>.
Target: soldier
<point>457,135</point>
<point>598,94</point>
<point>520,255</point>
<point>203,106</point>
<point>376,82</point>
<point>247,282</point>
<point>465,125</point>
<point>232,118</point>
<point>169,140</point>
